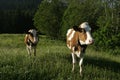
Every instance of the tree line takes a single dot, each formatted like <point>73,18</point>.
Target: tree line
<point>54,17</point>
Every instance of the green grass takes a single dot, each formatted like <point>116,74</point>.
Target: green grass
<point>53,61</point>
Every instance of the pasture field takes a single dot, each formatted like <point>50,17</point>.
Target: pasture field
<point>53,61</point>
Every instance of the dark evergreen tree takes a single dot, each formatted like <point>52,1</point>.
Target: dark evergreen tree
<point>17,15</point>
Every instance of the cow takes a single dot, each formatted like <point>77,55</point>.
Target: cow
<point>77,39</point>
<point>31,40</point>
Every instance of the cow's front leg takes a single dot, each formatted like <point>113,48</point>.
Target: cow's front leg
<point>74,61</point>
<point>80,64</point>
<point>34,51</point>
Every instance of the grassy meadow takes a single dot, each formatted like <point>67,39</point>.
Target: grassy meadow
<point>53,61</point>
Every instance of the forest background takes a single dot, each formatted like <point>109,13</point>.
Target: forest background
<point>53,17</point>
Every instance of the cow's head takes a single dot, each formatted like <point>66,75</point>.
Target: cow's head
<point>33,35</point>
<point>85,37</point>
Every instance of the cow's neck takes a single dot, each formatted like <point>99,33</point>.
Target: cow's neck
<point>32,43</point>
<point>83,47</point>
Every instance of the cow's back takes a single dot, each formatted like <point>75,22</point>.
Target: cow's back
<point>72,38</point>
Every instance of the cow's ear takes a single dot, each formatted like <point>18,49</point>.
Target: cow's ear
<point>82,30</point>
<point>28,33</point>
<point>76,28</point>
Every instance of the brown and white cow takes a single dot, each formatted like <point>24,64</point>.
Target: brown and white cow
<point>31,40</point>
<point>78,38</point>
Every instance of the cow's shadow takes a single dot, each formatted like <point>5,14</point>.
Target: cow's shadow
<point>99,62</point>
<point>102,63</point>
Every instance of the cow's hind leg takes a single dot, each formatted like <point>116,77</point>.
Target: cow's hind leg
<point>28,50</point>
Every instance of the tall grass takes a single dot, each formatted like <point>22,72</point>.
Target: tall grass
<point>53,61</point>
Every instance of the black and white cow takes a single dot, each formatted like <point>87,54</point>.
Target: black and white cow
<point>31,40</point>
